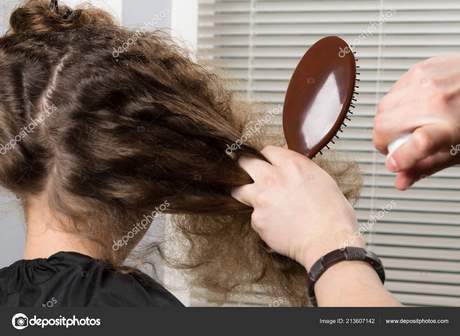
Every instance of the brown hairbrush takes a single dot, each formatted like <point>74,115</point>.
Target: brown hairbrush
<point>319,96</point>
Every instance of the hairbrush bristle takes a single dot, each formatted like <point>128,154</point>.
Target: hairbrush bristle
<point>350,112</point>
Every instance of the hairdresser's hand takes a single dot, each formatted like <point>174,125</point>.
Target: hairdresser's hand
<point>299,210</point>
<point>425,102</point>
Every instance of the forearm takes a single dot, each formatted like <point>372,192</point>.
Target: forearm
<point>352,283</point>
<point>347,283</point>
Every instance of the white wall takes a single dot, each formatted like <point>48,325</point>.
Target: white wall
<point>184,22</point>
<point>140,13</point>
<point>112,6</point>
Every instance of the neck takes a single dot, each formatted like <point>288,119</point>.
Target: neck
<point>45,234</point>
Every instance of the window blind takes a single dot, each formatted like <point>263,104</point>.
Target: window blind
<point>257,45</point>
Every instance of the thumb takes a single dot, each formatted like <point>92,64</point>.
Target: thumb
<point>424,142</point>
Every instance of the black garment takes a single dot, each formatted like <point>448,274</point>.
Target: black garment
<point>69,279</point>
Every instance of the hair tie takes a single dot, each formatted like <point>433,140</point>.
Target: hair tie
<point>54,6</point>
<point>68,14</point>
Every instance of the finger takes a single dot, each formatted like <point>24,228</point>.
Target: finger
<point>404,181</point>
<point>424,142</point>
<point>245,194</point>
<point>433,164</point>
<point>256,168</point>
<point>392,123</point>
<point>278,156</point>
<point>424,168</point>
<point>274,154</point>
<point>389,125</point>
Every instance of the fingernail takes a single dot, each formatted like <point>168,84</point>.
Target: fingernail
<point>392,165</point>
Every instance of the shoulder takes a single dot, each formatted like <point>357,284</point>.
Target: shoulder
<point>132,288</point>
<point>74,280</point>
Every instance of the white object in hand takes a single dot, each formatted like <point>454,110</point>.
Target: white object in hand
<point>392,147</point>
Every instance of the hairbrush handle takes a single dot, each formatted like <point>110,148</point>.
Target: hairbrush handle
<point>394,145</point>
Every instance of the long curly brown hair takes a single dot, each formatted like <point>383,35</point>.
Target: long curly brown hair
<point>117,134</point>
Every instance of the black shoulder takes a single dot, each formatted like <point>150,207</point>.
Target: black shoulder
<point>74,280</point>
<point>132,289</point>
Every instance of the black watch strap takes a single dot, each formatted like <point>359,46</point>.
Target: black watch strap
<point>336,256</point>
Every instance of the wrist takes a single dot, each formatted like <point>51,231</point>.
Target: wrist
<point>323,245</point>
<point>345,283</point>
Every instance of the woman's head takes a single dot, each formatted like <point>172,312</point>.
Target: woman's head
<point>112,138</point>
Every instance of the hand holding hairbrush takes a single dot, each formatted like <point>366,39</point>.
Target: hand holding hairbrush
<point>319,96</point>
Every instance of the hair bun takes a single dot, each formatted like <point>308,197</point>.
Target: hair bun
<point>41,16</point>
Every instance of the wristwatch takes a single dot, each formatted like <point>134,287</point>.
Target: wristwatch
<point>336,256</point>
